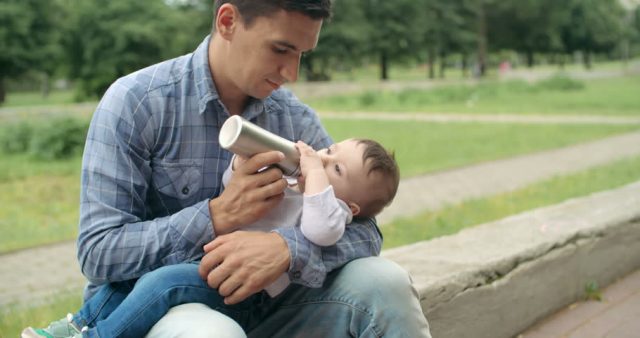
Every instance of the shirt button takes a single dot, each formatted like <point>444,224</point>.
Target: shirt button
<point>296,274</point>
<point>185,190</point>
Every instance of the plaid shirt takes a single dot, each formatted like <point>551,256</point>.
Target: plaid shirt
<point>152,163</point>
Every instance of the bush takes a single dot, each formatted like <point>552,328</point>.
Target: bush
<point>560,82</point>
<point>62,138</point>
<point>54,139</point>
<point>15,138</point>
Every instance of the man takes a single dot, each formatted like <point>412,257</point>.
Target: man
<point>152,191</point>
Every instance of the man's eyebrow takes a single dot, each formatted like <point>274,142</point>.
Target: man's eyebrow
<point>290,46</point>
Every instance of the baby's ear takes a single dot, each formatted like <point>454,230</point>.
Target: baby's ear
<point>355,208</point>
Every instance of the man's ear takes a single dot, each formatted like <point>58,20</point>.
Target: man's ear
<point>355,208</point>
<point>227,20</point>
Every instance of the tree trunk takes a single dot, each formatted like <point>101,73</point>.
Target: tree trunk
<point>530,59</point>
<point>443,64</point>
<point>465,66</point>
<point>482,40</point>
<point>431,59</point>
<point>46,85</point>
<point>587,60</point>
<point>383,66</point>
<point>3,92</point>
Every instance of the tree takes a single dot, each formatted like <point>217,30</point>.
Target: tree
<point>528,26</point>
<point>393,30</point>
<point>27,38</point>
<point>343,41</point>
<point>594,26</point>
<point>446,30</point>
<point>107,39</point>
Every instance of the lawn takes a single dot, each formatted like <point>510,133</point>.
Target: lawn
<point>557,95</point>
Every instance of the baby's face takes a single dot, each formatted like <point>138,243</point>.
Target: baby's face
<point>346,171</point>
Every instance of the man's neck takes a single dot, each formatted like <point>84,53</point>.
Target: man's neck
<point>231,96</point>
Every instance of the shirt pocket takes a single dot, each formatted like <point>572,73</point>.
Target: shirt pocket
<point>178,182</point>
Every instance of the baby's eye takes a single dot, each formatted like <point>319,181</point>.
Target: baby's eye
<point>328,151</point>
<point>338,169</point>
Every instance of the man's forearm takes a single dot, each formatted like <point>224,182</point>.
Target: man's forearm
<point>116,252</point>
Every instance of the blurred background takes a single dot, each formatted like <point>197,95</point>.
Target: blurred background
<point>84,45</point>
<point>447,84</point>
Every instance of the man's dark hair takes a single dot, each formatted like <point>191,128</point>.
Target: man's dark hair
<point>252,9</point>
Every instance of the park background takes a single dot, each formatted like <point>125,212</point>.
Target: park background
<point>382,69</point>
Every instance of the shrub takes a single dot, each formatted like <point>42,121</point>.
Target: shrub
<point>61,138</point>
<point>15,137</point>
<point>561,83</point>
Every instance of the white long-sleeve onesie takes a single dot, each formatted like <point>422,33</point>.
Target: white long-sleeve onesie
<point>322,218</point>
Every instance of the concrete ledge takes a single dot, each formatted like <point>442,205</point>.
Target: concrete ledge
<point>499,278</point>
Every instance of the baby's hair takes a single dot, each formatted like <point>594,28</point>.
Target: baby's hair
<point>378,160</point>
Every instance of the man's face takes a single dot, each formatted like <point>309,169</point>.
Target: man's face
<point>267,54</point>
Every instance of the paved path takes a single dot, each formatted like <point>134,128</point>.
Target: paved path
<point>616,316</point>
<point>433,191</point>
<point>44,270</point>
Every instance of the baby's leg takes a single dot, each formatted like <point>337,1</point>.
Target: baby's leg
<point>153,295</point>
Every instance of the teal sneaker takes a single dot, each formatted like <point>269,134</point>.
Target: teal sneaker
<point>62,328</point>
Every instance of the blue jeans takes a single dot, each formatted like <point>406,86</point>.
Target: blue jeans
<point>369,297</point>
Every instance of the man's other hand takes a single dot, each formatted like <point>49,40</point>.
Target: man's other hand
<point>243,263</point>
<point>250,194</point>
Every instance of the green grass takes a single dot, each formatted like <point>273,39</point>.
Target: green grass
<point>14,318</point>
<point>23,99</point>
<point>38,210</point>
<point>613,96</point>
<point>454,218</point>
<point>423,147</point>
<point>21,166</point>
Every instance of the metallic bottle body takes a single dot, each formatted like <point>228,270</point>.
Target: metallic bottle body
<point>247,139</point>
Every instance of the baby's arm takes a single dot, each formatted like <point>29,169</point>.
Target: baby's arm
<point>324,217</point>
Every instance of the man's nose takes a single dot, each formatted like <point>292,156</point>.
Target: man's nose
<point>289,70</point>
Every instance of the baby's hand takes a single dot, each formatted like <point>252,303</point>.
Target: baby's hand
<point>309,158</point>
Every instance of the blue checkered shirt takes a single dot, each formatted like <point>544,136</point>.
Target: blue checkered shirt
<point>152,163</point>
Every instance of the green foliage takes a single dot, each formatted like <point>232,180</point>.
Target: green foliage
<point>62,138</point>
<point>15,138</point>
<point>28,40</point>
<point>592,291</point>
<point>560,83</point>
<point>105,40</point>
<point>58,138</point>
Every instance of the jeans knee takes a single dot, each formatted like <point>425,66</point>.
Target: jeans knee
<point>376,273</point>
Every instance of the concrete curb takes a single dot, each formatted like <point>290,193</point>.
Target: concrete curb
<point>497,279</point>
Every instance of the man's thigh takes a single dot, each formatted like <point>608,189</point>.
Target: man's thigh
<point>197,321</point>
<point>368,297</point>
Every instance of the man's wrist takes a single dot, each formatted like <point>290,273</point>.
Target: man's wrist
<point>284,258</point>
<point>221,221</point>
